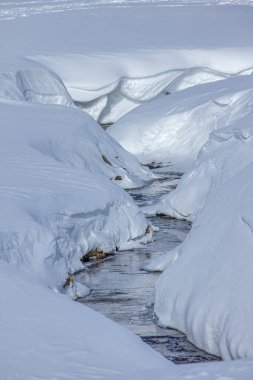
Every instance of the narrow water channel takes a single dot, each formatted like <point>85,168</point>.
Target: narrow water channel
<point>124,292</point>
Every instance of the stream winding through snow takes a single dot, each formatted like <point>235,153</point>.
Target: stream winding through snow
<point>124,292</point>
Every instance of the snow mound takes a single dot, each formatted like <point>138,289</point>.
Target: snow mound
<point>57,202</point>
<point>214,304</point>
<point>36,85</point>
<point>172,130</point>
<point>213,163</point>
<point>39,85</point>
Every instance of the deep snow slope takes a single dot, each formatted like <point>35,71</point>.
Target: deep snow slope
<point>57,199</point>
<point>206,288</point>
<point>172,129</point>
<point>113,59</point>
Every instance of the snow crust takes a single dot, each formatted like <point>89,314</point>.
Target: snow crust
<point>213,305</point>
<point>172,129</point>
<point>57,200</point>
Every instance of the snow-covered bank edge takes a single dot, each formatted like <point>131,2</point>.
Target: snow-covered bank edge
<point>173,129</point>
<point>213,302</point>
<point>58,195</point>
<point>44,335</point>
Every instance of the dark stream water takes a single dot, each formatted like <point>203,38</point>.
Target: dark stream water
<point>124,292</point>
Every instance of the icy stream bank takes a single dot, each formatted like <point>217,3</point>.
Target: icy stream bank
<point>123,291</point>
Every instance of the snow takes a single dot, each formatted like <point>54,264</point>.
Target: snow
<point>172,129</point>
<point>215,261</point>
<point>59,193</point>
<point>23,8</point>
<point>47,336</point>
<point>58,200</point>
<point>223,156</point>
<point>157,49</point>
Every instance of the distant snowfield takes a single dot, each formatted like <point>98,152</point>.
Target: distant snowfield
<point>59,196</point>
<point>13,9</point>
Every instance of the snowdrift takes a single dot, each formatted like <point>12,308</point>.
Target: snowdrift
<point>114,61</point>
<point>118,98</point>
<point>206,288</point>
<point>39,85</point>
<point>172,130</point>
<point>56,198</point>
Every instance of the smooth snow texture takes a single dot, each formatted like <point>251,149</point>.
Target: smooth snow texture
<point>206,289</point>
<point>57,202</point>
<point>112,59</point>
<point>11,10</point>
<point>47,336</point>
<point>172,129</point>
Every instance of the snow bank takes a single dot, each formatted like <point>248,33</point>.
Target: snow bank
<point>57,202</point>
<point>113,61</point>
<point>214,304</point>
<point>214,164</point>
<point>173,129</point>
<point>39,85</point>
<point>44,335</point>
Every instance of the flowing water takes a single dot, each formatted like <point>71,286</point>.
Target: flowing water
<point>124,292</point>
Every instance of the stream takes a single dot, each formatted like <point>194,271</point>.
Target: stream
<point>124,292</point>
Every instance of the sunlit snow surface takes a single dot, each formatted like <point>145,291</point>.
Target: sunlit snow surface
<point>172,129</point>
<point>58,196</point>
<point>13,9</point>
